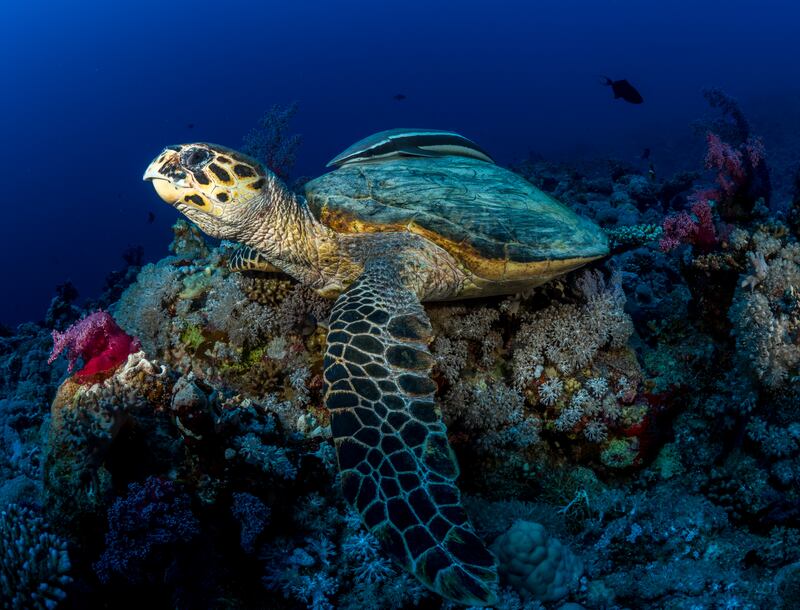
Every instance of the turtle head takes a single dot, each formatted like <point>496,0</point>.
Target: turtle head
<point>215,187</point>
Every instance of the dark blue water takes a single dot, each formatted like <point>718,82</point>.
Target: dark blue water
<point>93,90</point>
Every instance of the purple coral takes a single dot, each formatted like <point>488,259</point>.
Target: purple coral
<point>728,161</point>
<point>143,528</point>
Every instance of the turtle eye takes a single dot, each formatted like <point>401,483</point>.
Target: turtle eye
<point>194,158</point>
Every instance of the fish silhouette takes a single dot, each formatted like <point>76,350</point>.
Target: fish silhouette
<point>624,90</point>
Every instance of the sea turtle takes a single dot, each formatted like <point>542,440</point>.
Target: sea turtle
<point>408,216</point>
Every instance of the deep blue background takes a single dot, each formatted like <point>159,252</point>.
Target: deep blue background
<point>91,91</point>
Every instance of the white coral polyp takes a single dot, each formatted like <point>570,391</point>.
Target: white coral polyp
<point>534,564</point>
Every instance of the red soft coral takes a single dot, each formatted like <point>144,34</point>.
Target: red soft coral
<point>99,341</point>
<point>705,235</point>
<point>696,228</point>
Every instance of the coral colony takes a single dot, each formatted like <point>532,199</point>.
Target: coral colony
<point>97,341</point>
<point>627,435</point>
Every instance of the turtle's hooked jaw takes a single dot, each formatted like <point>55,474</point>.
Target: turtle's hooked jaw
<point>169,179</point>
<point>165,189</point>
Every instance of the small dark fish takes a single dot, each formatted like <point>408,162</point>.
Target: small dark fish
<point>400,97</point>
<point>646,154</point>
<point>151,218</point>
<point>624,90</point>
<point>189,125</point>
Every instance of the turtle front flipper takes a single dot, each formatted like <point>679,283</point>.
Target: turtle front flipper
<point>397,467</point>
<point>245,258</point>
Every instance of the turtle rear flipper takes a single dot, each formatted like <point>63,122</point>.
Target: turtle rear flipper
<point>397,467</point>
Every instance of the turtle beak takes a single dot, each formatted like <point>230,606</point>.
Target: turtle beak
<point>158,173</point>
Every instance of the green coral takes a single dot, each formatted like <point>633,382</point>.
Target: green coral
<point>249,359</point>
<point>619,453</point>
<point>633,235</point>
<point>193,337</point>
<point>197,284</point>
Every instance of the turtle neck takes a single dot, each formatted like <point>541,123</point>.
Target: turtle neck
<point>280,225</point>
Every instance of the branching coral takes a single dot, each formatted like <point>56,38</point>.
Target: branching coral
<point>34,563</point>
<point>20,452</point>
<point>270,459</point>
<point>737,157</point>
<point>455,326</point>
<point>270,142</point>
<point>731,124</point>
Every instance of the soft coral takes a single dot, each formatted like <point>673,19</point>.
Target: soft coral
<point>742,175</point>
<point>98,341</point>
<point>696,228</point>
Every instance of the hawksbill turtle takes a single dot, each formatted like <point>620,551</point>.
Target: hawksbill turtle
<point>407,216</point>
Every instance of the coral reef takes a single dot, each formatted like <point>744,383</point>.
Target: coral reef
<point>641,415</point>
<point>766,311</point>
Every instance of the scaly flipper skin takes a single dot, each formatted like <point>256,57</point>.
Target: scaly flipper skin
<point>397,467</point>
<point>245,258</point>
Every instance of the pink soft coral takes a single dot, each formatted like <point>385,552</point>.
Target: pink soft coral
<point>98,340</point>
<point>696,228</point>
<point>734,165</point>
<point>728,161</point>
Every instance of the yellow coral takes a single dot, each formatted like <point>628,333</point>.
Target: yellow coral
<point>571,385</point>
